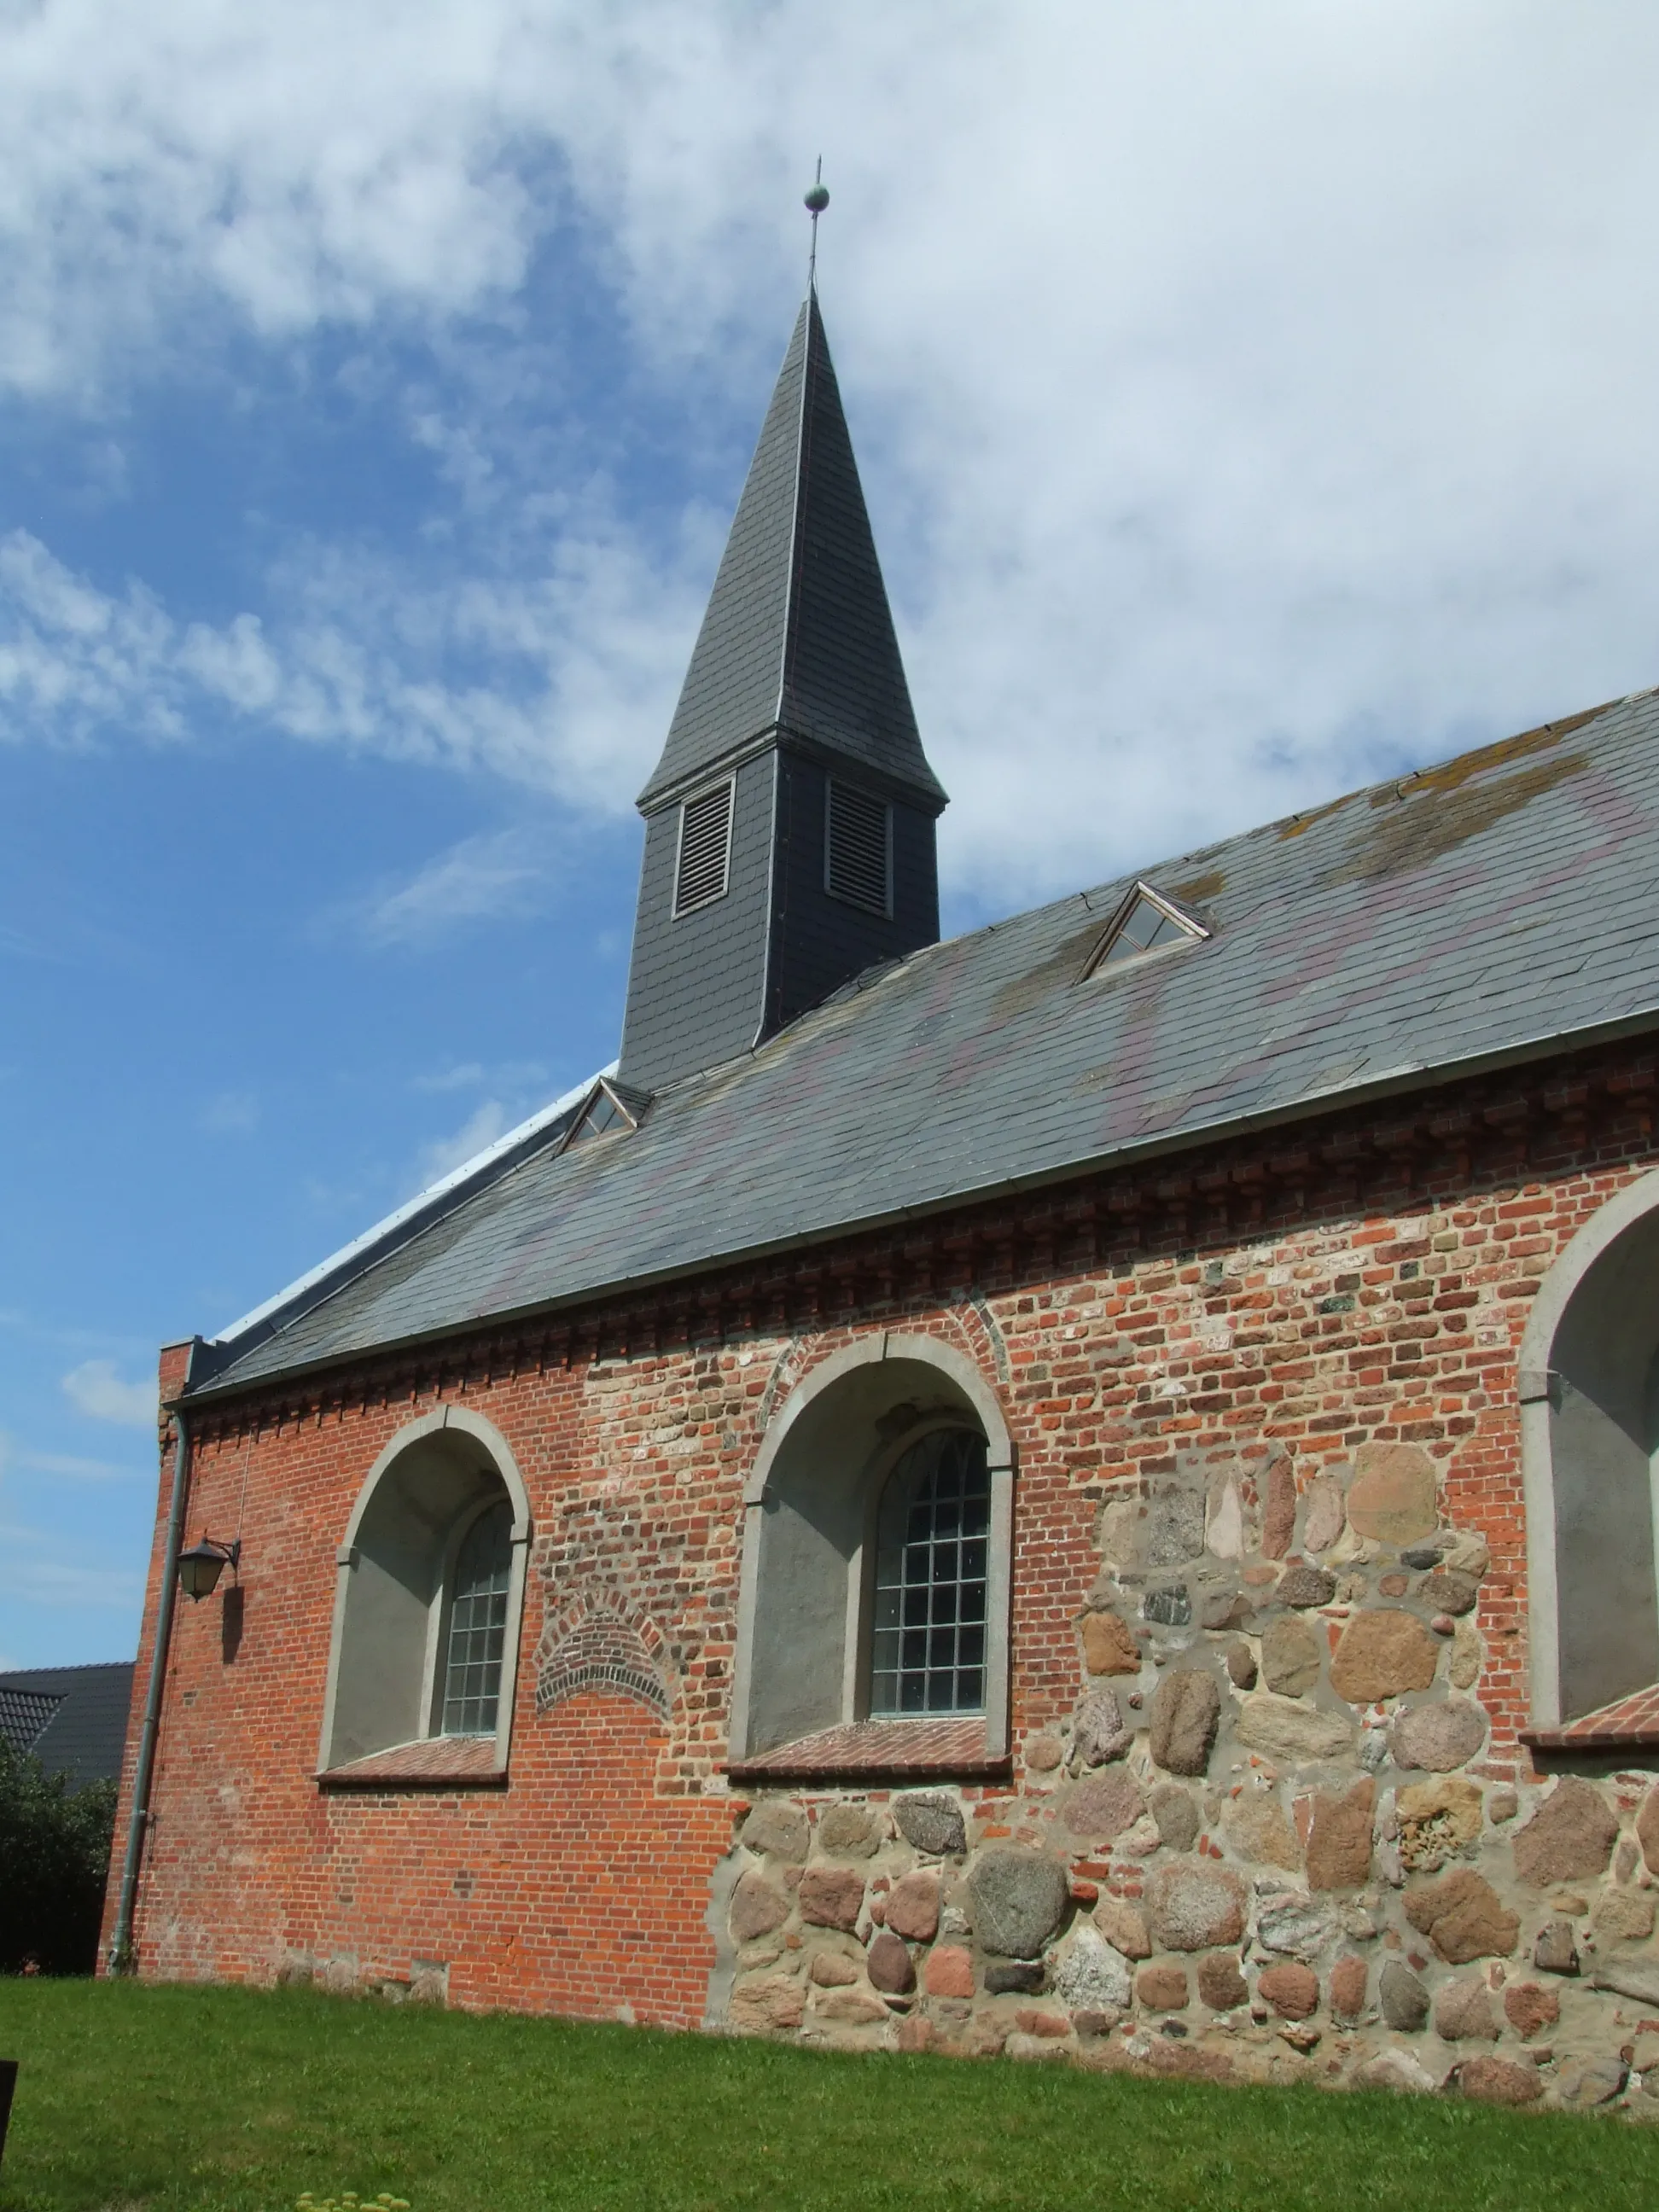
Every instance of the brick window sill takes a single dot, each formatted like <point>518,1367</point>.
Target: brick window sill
<point>1630,1724</point>
<point>879,1751</point>
<point>436,1763</point>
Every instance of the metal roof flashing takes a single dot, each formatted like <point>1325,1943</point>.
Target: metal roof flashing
<point>209,1356</point>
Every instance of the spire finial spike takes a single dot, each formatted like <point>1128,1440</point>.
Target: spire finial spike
<point>817,200</point>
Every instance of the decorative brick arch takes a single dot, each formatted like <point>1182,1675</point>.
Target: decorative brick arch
<point>794,1360</point>
<point>808,1378</point>
<point>983,1333</point>
<point>597,1642</point>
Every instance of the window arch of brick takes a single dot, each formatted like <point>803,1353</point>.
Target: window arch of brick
<point>384,1703</point>
<point>1588,1387</point>
<point>805,1606</point>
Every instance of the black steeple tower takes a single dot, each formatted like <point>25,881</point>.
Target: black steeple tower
<point>789,824</point>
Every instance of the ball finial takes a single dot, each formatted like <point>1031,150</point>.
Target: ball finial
<point>818,199</point>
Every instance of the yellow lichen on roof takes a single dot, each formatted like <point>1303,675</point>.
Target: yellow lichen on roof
<point>1453,774</point>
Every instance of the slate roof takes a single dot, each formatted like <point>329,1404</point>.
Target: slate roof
<point>1479,912</point>
<point>83,1710</point>
<point>798,636</point>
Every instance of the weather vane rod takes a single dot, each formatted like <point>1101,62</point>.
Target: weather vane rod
<point>817,200</point>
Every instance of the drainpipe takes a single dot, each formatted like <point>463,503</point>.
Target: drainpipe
<point>120,1947</point>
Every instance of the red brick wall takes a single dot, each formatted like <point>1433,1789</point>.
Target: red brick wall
<point>1363,1279</point>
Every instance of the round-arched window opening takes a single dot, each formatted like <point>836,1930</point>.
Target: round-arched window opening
<point>428,1600</point>
<point>477,1624</point>
<point>927,1650</point>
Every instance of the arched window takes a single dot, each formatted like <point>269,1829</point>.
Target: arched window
<point>1589,1386</point>
<point>477,1623</point>
<point>875,1573</point>
<point>429,1598</point>
<point>927,1651</point>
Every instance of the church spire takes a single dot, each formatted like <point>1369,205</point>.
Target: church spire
<point>797,640</point>
<point>789,825</point>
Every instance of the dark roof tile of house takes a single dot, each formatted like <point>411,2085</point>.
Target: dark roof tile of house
<point>84,1733</point>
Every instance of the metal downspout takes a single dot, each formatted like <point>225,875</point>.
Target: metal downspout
<point>120,1947</point>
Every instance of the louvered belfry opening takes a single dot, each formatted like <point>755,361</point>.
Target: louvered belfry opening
<point>705,848</point>
<point>858,847</point>
<point>789,838</point>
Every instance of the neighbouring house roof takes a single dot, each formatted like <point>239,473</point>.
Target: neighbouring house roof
<point>1487,910</point>
<point>73,1719</point>
<point>798,639</point>
<point>24,1714</point>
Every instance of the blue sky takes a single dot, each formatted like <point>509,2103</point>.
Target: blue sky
<point>1250,403</point>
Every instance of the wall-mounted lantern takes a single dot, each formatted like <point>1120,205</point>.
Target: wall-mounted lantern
<point>200,1568</point>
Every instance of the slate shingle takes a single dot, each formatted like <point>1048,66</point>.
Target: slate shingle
<point>798,634</point>
<point>1351,947</point>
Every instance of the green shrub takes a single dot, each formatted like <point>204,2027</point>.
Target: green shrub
<point>54,1861</point>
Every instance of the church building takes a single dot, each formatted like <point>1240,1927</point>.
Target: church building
<point>1086,1489</point>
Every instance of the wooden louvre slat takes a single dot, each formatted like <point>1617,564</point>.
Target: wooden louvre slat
<point>856,860</point>
<point>705,847</point>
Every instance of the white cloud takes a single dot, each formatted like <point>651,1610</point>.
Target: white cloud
<point>73,1466</point>
<point>229,1114</point>
<point>1248,399</point>
<point>67,1582</point>
<point>70,1465</point>
<point>582,660</point>
<point>519,1076</point>
<point>467,1075</point>
<point>478,879</point>
<point>95,1388</point>
<point>73,660</point>
<point>480,1128</point>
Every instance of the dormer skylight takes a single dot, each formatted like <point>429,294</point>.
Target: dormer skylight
<point>1145,922</point>
<point>609,1106</point>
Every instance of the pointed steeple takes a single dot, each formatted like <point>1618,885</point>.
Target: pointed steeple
<point>789,840</point>
<point>797,640</point>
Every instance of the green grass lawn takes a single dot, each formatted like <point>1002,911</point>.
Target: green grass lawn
<point>241,2098</point>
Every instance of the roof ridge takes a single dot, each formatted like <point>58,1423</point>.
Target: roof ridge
<point>9,1675</point>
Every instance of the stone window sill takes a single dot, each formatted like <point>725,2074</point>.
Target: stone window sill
<point>877,1751</point>
<point>1630,1724</point>
<point>436,1763</point>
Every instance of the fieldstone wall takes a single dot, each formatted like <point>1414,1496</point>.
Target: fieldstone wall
<point>1264,1844</point>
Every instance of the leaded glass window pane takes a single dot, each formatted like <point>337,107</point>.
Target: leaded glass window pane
<point>477,1624</point>
<point>928,1644</point>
